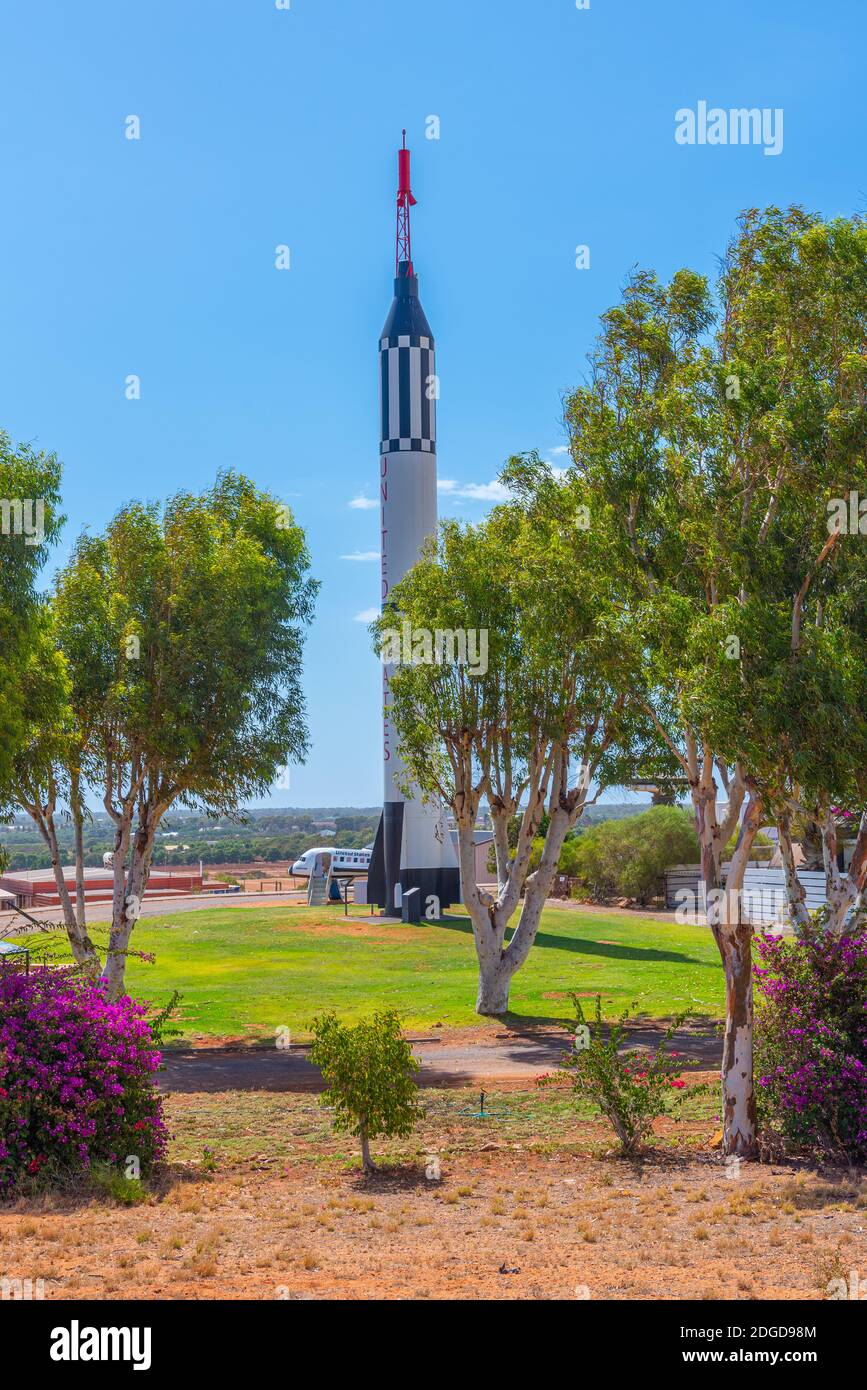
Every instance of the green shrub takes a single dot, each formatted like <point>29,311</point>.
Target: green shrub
<point>76,1079</point>
<point>630,856</point>
<point>630,1088</point>
<point>112,1183</point>
<point>369,1073</point>
<point>811,1040</point>
<point>566,862</point>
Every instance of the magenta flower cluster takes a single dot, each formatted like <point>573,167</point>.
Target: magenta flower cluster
<point>811,1040</point>
<point>76,1078</point>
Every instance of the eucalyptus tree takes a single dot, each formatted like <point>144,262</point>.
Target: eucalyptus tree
<point>541,725</point>
<point>30,522</point>
<point>646,445</point>
<point>45,778</point>
<point>181,630</point>
<point>706,432</point>
<point>794,290</point>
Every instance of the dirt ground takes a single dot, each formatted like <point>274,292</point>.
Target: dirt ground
<point>262,1201</point>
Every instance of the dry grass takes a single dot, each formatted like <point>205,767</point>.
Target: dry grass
<point>538,1196</point>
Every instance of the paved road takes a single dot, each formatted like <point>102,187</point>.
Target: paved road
<point>167,907</point>
<point>159,907</point>
<point>509,1057</point>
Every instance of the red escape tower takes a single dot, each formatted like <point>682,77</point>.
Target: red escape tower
<point>405,201</point>
<point>413,848</point>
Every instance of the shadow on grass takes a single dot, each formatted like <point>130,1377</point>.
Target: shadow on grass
<point>583,946</point>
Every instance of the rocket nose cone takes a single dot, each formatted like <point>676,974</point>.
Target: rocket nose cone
<point>406,316</point>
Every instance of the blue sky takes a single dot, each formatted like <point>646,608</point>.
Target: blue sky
<point>263,126</point>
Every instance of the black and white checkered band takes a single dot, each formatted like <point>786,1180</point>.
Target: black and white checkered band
<point>397,446</point>
<point>406,340</point>
<point>408,394</point>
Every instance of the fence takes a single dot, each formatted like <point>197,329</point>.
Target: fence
<point>763,897</point>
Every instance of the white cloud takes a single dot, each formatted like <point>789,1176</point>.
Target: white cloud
<point>485,492</point>
<point>362,555</point>
<point>561,449</point>
<point>364,504</point>
<point>367,615</point>
<point>474,492</point>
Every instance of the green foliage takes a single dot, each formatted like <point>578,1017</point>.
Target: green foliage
<point>630,856</point>
<point>183,629</point>
<point>369,1073</point>
<point>110,1182</point>
<point>795,287</point>
<point>561,653</point>
<point>29,480</point>
<point>167,671</point>
<point>630,1088</point>
<point>567,862</point>
<point>712,437</point>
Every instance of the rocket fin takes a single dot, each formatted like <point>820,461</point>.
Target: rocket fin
<point>376,892</point>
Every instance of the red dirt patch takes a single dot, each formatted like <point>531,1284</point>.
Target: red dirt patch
<point>285,1215</point>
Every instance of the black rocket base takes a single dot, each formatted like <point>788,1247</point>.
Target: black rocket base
<point>390,874</point>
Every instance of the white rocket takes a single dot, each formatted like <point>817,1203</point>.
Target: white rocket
<point>413,847</point>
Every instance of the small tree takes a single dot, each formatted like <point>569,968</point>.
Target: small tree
<point>542,724</point>
<point>631,1088</point>
<point>369,1073</point>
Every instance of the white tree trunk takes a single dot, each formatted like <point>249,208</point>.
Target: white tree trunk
<point>795,894</point>
<point>843,891</point>
<point>498,962</point>
<point>78,824</point>
<point>488,933</point>
<point>495,978</point>
<point>127,904</point>
<point>738,1098</point>
<point>500,822</point>
<point>734,940</point>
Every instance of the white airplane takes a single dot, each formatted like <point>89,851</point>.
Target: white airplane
<point>345,863</point>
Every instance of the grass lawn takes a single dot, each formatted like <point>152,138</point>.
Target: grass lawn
<point>243,972</point>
